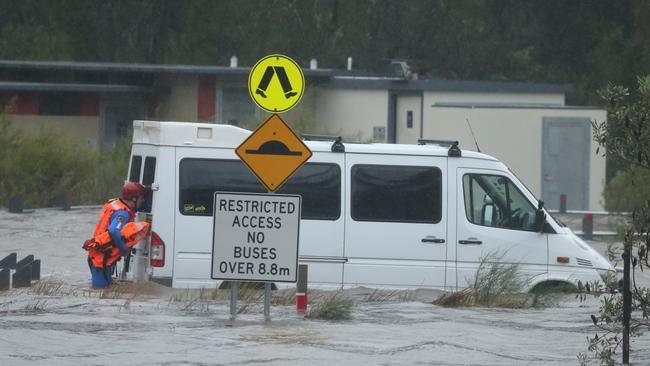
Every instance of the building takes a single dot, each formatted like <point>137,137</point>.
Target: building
<point>528,126</point>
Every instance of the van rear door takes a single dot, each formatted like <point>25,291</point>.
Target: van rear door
<point>396,229</point>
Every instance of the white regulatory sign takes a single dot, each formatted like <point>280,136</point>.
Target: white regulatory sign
<point>255,237</point>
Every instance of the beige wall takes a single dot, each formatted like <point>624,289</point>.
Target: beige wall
<point>509,98</point>
<point>352,113</point>
<point>514,136</point>
<point>85,129</point>
<point>302,117</point>
<point>181,103</point>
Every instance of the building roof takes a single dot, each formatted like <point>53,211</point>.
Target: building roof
<point>143,68</point>
<point>445,85</point>
<point>77,87</point>
<point>344,79</point>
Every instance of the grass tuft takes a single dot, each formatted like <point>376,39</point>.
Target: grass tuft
<point>128,290</point>
<point>333,307</point>
<point>36,306</point>
<point>51,287</point>
<point>495,284</point>
<point>378,295</point>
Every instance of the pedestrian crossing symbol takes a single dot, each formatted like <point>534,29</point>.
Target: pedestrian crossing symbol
<point>276,83</point>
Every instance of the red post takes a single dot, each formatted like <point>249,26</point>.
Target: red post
<point>588,227</point>
<point>301,289</point>
<point>563,203</point>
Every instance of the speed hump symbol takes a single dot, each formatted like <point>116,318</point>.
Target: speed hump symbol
<point>273,152</point>
<point>276,83</point>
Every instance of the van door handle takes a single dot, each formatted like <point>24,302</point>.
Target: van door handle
<point>432,239</point>
<point>470,241</point>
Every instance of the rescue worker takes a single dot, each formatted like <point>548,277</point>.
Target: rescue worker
<point>108,244</point>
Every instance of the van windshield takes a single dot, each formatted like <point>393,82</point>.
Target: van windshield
<point>557,221</point>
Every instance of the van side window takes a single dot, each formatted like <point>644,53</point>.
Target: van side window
<point>396,193</point>
<point>318,183</point>
<point>136,165</point>
<point>493,200</point>
<point>148,177</point>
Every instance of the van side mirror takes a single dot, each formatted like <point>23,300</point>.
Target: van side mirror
<point>487,211</point>
<point>540,217</point>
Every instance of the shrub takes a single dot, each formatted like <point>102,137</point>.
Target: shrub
<point>628,190</point>
<point>44,165</point>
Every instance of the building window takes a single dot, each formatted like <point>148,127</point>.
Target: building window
<point>393,193</point>
<point>236,106</point>
<point>60,104</point>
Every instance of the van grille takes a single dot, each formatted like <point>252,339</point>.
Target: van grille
<point>584,262</point>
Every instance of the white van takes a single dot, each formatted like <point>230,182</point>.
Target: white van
<point>377,215</point>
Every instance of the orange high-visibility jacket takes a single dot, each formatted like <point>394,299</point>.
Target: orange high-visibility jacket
<point>132,233</point>
<point>103,253</point>
<point>101,234</point>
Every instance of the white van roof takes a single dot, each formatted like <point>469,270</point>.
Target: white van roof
<point>171,133</point>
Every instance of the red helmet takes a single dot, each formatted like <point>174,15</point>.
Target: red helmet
<point>132,190</point>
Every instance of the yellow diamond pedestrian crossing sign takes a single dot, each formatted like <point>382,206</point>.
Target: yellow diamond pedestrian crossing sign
<point>273,152</point>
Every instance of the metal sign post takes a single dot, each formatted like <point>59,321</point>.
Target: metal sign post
<point>267,301</point>
<point>233,300</point>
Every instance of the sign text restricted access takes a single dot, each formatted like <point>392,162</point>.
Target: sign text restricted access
<point>255,237</point>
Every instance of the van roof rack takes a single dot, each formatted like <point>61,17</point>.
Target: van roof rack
<point>454,150</point>
<point>337,145</point>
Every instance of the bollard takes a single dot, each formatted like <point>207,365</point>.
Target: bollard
<point>301,289</point>
<point>588,227</point>
<point>563,203</point>
<point>66,200</point>
<point>24,262</point>
<point>9,262</point>
<point>15,204</point>
<point>36,270</point>
<point>22,277</point>
<point>4,279</point>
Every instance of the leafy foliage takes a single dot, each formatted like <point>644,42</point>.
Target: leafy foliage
<point>626,137</point>
<point>467,39</point>
<point>628,190</point>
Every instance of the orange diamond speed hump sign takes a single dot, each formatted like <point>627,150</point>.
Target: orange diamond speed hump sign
<point>273,152</point>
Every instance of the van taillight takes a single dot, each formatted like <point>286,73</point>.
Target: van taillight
<point>157,251</point>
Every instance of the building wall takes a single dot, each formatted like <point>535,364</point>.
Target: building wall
<point>84,129</point>
<point>181,103</point>
<point>352,113</point>
<point>302,117</point>
<point>514,136</point>
<point>506,98</point>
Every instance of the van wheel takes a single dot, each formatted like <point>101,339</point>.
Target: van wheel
<point>554,287</point>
